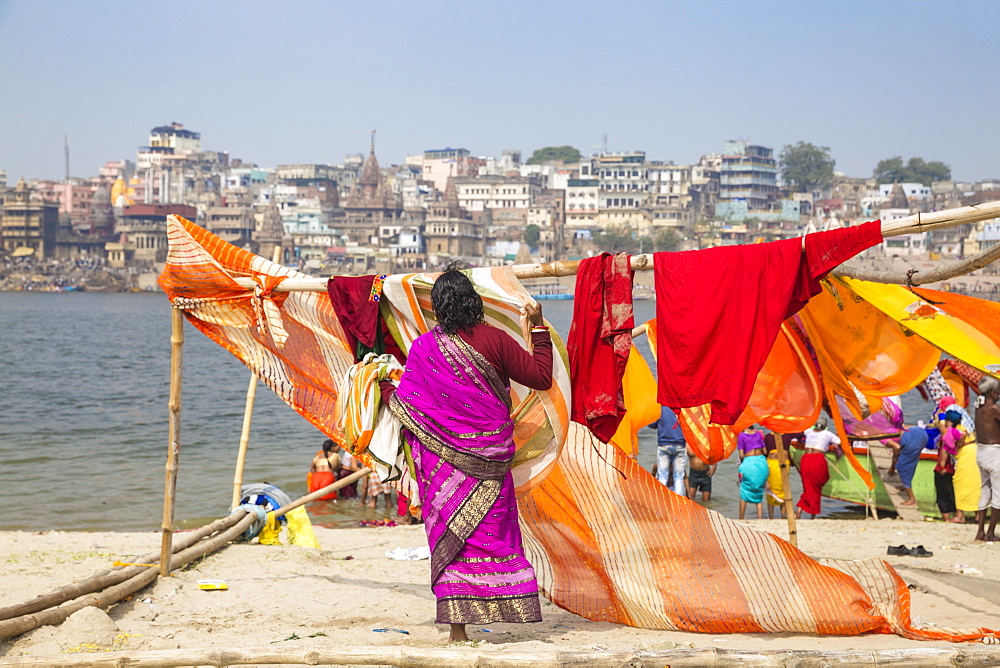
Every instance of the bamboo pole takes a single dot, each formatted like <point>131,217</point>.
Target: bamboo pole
<point>323,491</point>
<point>113,576</point>
<point>786,488</point>
<point>908,225</point>
<point>943,273</point>
<point>174,446</point>
<point>241,456</point>
<point>469,657</point>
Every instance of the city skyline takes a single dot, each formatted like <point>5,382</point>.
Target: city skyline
<point>306,82</point>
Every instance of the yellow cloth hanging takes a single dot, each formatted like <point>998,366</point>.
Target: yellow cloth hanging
<point>641,409</point>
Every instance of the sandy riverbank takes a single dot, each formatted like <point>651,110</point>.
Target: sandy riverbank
<point>337,596</point>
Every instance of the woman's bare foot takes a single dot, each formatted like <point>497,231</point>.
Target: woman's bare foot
<point>957,520</point>
<point>458,633</point>
<point>907,503</point>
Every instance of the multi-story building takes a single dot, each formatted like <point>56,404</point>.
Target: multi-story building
<point>671,194</point>
<point>549,214</point>
<point>234,224</point>
<point>439,165</point>
<point>506,197</point>
<point>28,224</point>
<point>913,191</point>
<point>622,190</point>
<point>142,232</point>
<point>581,203</point>
<point>748,180</point>
<point>450,233</point>
<point>622,180</point>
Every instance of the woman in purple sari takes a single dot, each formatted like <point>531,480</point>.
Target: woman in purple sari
<point>454,403</point>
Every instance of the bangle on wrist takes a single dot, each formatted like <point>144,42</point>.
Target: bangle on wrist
<point>539,328</point>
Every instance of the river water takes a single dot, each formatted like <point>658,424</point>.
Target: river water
<point>83,430</point>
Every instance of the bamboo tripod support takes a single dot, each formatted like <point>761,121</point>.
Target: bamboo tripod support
<point>786,490</point>
<point>174,446</point>
<point>241,456</point>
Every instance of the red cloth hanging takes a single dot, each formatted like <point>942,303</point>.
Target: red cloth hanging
<point>719,310</point>
<point>600,338</point>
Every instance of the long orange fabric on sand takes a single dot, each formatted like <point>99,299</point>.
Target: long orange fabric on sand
<point>607,541</point>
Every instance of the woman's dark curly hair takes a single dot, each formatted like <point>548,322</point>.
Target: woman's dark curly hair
<point>455,301</point>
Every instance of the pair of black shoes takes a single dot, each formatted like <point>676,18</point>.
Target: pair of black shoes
<point>904,551</point>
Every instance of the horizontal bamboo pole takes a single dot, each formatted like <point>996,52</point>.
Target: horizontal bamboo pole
<point>411,657</point>
<point>908,225</point>
<point>323,491</point>
<point>19,625</point>
<point>113,576</point>
<point>943,273</point>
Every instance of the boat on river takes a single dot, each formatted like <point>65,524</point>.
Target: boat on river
<point>845,483</point>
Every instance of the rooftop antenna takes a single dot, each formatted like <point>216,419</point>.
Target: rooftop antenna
<point>66,151</point>
<point>604,143</point>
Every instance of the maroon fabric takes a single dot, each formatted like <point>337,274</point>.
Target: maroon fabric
<point>600,338</point>
<point>718,312</point>
<point>358,316</point>
<point>511,361</point>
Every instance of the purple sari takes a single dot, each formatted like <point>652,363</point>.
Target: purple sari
<point>456,414</point>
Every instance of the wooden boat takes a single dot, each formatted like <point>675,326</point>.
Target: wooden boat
<point>846,485</point>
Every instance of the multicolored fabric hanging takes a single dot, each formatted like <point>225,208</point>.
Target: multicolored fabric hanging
<point>606,540</point>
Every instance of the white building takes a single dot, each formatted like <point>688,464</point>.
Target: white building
<point>911,190</point>
<point>495,192</point>
<point>581,202</point>
<point>906,244</point>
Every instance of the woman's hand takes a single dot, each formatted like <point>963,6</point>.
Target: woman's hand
<point>534,312</point>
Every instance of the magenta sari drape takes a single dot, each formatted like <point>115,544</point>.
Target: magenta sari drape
<point>456,414</point>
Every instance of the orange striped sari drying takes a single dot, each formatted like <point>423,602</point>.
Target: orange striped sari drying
<point>606,540</point>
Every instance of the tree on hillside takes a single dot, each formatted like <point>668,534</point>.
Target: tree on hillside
<point>531,235</point>
<point>806,167</point>
<point>667,240</point>
<point>915,170</point>
<point>563,154</point>
<point>615,239</point>
<point>620,239</point>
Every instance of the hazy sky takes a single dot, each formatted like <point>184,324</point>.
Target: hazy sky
<point>294,82</point>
